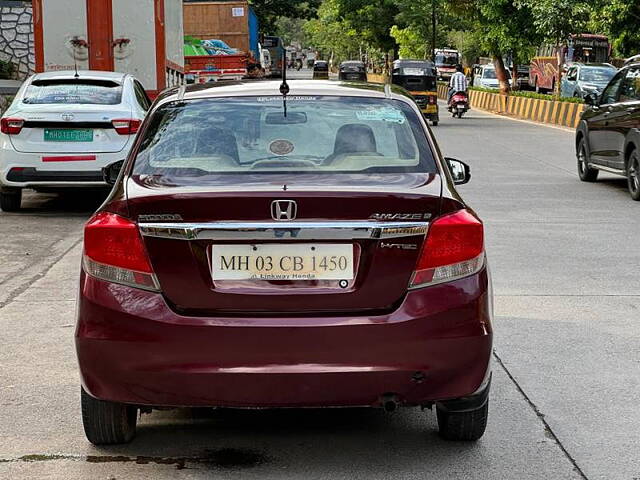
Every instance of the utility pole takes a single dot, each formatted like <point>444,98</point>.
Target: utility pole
<point>433,30</point>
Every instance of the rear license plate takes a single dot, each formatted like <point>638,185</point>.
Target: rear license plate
<point>67,135</point>
<point>282,262</point>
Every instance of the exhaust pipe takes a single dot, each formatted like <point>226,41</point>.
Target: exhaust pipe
<point>389,403</point>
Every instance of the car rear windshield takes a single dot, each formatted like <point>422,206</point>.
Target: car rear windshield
<point>490,73</point>
<point>597,74</point>
<point>90,92</point>
<point>319,134</point>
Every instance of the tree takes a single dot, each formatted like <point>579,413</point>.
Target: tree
<point>372,20</point>
<point>411,42</point>
<point>556,20</point>
<point>291,30</point>
<point>501,27</point>
<point>620,20</point>
<point>333,35</point>
<point>269,11</point>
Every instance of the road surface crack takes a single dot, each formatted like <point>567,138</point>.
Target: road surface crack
<point>547,428</point>
<point>25,286</point>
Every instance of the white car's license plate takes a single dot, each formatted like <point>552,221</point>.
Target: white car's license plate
<point>282,262</point>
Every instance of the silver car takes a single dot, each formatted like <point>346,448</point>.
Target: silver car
<point>485,76</point>
<point>582,79</point>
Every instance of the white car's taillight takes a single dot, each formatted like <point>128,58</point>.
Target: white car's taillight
<point>126,126</point>
<point>114,251</point>
<point>11,126</point>
<point>454,248</point>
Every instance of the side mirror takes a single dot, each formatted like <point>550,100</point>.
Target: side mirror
<point>591,99</point>
<point>460,171</point>
<point>110,173</point>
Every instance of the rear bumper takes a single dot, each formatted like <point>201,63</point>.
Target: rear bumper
<point>133,348</point>
<point>24,170</point>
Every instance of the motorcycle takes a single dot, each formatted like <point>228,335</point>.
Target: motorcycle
<point>459,104</point>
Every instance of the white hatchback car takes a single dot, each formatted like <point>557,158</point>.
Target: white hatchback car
<point>64,127</point>
<point>485,76</point>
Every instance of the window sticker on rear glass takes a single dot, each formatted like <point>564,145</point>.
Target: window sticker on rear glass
<point>386,114</point>
<point>289,99</point>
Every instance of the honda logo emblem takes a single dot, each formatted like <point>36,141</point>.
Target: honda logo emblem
<point>282,210</point>
<point>67,117</point>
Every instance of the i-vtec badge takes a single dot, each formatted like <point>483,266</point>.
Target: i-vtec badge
<point>399,246</point>
<point>400,216</point>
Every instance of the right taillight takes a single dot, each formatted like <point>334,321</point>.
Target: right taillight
<point>126,126</point>
<point>114,251</point>
<point>11,126</point>
<point>454,248</point>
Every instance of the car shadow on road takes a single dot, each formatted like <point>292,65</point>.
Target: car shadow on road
<point>616,184</point>
<point>297,440</point>
<point>77,201</point>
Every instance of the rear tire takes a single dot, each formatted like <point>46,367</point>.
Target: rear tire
<point>11,200</point>
<point>633,175</point>
<point>107,423</point>
<point>435,123</point>
<point>466,426</point>
<point>585,172</point>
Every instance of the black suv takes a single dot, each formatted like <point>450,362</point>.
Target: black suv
<point>608,137</point>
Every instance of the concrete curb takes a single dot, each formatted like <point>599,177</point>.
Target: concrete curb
<point>566,114</point>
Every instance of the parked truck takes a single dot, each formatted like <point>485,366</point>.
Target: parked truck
<point>233,23</point>
<point>144,38</point>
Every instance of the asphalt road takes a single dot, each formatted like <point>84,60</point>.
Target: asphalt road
<point>564,258</point>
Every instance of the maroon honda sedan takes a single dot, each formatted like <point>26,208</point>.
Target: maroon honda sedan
<point>262,250</point>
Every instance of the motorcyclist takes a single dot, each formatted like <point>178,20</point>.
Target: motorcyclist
<point>457,83</point>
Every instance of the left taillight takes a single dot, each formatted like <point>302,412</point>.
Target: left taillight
<point>114,251</point>
<point>126,126</point>
<point>11,126</point>
<point>453,249</point>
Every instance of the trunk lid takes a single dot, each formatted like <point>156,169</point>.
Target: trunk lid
<point>182,225</point>
<point>93,122</point>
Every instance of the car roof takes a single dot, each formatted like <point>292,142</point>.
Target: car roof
<point>346,62</point>
<point>271,88</point>
<point>598,65</point>
<point>413,62</point>
<point>632,60</point>
<point>82,74</point>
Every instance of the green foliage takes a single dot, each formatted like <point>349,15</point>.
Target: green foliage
<point>291,30</point>
<point>528,94</point>
<point>620,20</point>
<point>7,69</point>
<point>467,43</point>
<point>269,11</point>
<point>335,37</point>
<point>411,43</point>
<point>555,20</point>
<point>372,20</point>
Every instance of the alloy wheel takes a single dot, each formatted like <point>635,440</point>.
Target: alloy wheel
<point>633,175</point>
<point>582,159</point>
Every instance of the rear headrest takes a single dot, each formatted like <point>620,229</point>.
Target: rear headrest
<point>215,140</point>
<point>355,138</point>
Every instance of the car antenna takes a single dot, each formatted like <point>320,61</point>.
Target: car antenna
<point>284,87</point>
